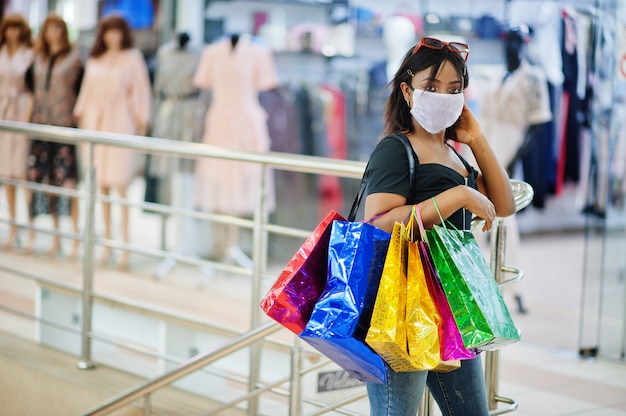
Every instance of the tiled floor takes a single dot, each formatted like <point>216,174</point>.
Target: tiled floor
<point>543,372</point>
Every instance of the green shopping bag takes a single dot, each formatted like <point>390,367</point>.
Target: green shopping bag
<point>476,302</point>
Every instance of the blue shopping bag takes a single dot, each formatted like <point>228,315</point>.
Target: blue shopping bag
<point>341,316</point>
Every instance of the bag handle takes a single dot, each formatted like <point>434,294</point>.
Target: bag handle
<point>443,222</point>
<point>359,196</point>
<point>415,212</point>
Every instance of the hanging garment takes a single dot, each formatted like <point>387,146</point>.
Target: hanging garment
<point>539,163</point>
<point>235,120</point>
<point>568,166</point>
<point>280,105</point>
<point>336,147</point>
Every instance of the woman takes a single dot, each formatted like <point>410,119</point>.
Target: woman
<point>426,104</point>
<point>16,55</point>
<point>114,97</point>
<point>55,80</point>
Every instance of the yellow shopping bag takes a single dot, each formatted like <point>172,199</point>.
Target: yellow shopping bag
<point>405,325</point>
<point>387,332</point>
<point>423,320</point>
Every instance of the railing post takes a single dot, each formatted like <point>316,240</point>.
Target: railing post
<point>492,358</point>
<point>147,405</point>
<point>295,384</point>
<point>88,246</point>
<point>259,254</point>
<point>428,405</point>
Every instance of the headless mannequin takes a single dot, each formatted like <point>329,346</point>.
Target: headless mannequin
<point>398,37</point>
<point>229,246</point>
<point>515,53</point>
<point>515,46</point>
<point>177,174</point>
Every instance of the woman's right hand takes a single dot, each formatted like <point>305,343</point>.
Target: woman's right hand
<point>479,205</point>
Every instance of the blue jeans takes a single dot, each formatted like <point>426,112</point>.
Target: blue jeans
<point>461,392</point>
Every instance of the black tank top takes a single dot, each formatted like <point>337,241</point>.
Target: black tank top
<point>388,172</point>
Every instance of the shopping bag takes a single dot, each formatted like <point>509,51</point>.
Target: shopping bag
<point>452,347</point>
<point>473,295</point>
<point>291,298</point>
<point>423,320</point>
<point>339,321</point>
<point>387,331</point>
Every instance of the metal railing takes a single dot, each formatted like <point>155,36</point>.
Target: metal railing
<point>260,227</point>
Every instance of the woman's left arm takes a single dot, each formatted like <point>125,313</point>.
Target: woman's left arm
<point>492,180</point>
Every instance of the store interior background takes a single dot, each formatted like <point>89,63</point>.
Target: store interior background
<point>358,46</point>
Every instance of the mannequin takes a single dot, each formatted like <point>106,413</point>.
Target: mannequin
<point>512,114</point>
<point>515,108</point>
<point>179,110</point>
<point>114,97</point>
<point>56,77</point>
<point>16,55</point>
<point>515,54</point>
<point>235,70</point>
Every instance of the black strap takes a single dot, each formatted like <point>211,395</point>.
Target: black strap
<point>359,196</point>
<point>465,163</point>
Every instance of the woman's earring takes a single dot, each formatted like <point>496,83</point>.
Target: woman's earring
<point>408,103</point>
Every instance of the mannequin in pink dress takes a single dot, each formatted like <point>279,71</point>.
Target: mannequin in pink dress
<point>16,55</point>
<point>114,97</point>
<point>235,70</point>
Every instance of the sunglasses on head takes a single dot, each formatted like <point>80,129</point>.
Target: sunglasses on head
<point>432,43</point>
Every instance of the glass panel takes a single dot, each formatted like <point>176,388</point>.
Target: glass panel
<point>613,297</point>
<point>603,310</point>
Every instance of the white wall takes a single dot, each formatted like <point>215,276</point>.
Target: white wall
<point>33,10</point>
<point>86,14</point>
<point>189,18</point>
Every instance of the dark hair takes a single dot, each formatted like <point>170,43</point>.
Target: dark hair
<point>397,115</point>
<point>42,46</point>
<point>18,21</point>
<point>115,22</point>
